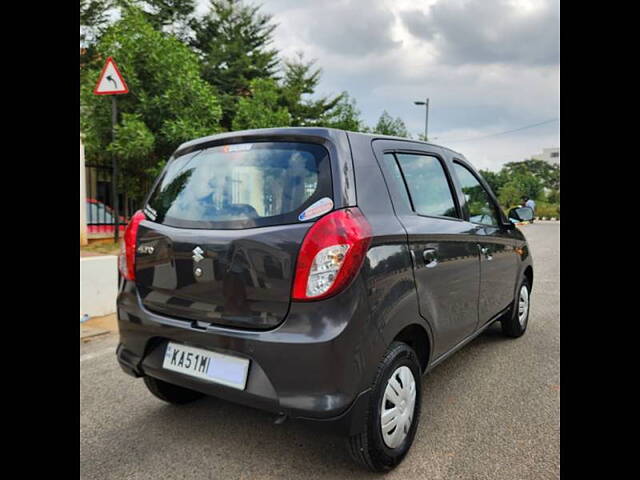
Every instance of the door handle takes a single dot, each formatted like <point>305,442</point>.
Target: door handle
<point>430,257</point>
<point>486,252</point>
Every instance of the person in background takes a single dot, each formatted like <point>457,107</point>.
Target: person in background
<point>528,202</point>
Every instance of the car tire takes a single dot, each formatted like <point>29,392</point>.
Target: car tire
<point>171,393</point>
<point>515,323</point>
<point>371,448</point>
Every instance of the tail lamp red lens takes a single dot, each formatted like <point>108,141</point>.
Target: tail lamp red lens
<point>127,260</point>
<point>331,254</point>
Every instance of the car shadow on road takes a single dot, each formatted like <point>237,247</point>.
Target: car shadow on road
<point>219,439</point>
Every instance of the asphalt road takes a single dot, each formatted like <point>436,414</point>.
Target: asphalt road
<point>492,411</point>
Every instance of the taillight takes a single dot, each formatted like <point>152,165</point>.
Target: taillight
<point>331,254</point>
<point>127,259</point>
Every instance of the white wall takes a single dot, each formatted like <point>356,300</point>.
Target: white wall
<point>98,285</point>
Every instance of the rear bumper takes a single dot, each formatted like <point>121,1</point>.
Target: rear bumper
<point>316,366</point>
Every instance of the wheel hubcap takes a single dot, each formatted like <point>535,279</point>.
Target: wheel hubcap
<point>398,403</point>
<point>523,305</point>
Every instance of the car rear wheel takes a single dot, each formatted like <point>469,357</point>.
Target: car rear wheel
<point>171,393</point>
<point>393,412</point>
<point>515,324</point>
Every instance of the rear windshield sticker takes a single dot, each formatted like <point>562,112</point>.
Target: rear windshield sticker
<point>238,147</point>
<point>320,207</point>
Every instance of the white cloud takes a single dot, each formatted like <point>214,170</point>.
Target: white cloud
<point>481,31</point>
<point>486,65</point>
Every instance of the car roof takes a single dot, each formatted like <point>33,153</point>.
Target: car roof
<point>293,131</point>
<point>403,139</point>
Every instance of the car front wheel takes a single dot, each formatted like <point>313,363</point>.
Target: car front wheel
<point>515,324</point>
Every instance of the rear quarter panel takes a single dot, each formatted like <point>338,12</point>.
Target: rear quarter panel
<point>388,270</point>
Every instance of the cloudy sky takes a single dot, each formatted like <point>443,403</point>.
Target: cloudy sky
<point>487,66</point>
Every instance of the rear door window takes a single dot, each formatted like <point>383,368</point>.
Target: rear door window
<point>396,178</point>
<point>242,185</point>
<point>428,185</point>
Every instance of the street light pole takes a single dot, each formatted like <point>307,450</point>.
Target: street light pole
<point>426,122</point>
<point>426,118</point>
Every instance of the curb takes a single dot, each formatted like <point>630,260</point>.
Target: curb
<point>87,333</point>
<point>537,219</point>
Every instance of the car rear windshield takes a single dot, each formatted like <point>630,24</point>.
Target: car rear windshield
<point>241,185</point>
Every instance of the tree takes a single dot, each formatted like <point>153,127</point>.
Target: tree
<point>173,16</point>
<point>93,16</point>
<point>345,115</point>
<point>510,195</point>
<point>553,196</point>
<point>547,173</point>
<point>518,186</point>
<point>299,82</point>
<point>232,41</point>
<point>261,109</point>
<point>168,102</point>
<point>496,180</point>
<point>387,125</point>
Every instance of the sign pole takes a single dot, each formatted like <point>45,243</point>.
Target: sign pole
<point>114,164</point>
<point>110,82</point>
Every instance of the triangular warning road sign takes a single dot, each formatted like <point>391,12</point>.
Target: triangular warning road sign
<point>110,81</point>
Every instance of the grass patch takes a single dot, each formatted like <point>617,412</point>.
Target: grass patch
<point>107,248</point>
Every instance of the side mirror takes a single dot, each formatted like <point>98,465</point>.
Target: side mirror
<point>521,214</point>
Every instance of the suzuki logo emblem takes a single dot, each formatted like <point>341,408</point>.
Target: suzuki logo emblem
<point>197,254</point>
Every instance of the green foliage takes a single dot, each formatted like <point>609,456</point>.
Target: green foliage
<point>518,186</point>
<point>169,13</point>
<point>546,173</point>
<point>535,179</point>
<point>510,195</point>
<point>345,116</point>
<point>261,109</point>
<point>300,79</point>
<point>529,185</point>
<point>132,139</point>
<point>548,210</point>
<point>155,170</point>
<point>387,125</point>
<point>93,20</point>
<point>496,180</point>
<point>232,41</point>
<point>93,17</point>
<point>168,102</point>
<point>553,196</point>
<point>192,76</point>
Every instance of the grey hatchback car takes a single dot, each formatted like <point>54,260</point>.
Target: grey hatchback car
<point>317,274</point>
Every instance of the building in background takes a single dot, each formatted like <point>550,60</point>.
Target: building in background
<point>549,155</point>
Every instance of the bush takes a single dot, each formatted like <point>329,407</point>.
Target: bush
<point>548,210</point>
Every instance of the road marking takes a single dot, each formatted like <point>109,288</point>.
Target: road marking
<point>100,353</point>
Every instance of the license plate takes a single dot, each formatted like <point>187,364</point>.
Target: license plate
<point>205,365</point>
